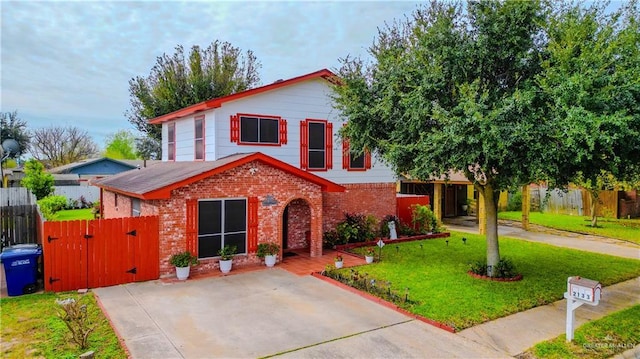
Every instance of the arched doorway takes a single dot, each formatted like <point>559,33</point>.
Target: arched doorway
<point>296,228</point>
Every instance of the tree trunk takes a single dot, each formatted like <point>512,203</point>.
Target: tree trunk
<point>491,214</point>
<point>594,207</point>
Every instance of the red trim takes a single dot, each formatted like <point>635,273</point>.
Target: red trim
<point>236,134</point>
<point>283,131</point>
<point>195,139</point>
<point>252,225</point>
<point>235,128</point>
<point>329,145</point>
<point>304,153</point>
<point>192,226</point>
<point>171,142</point>
<point>165,192</point>
<point>218,102</point>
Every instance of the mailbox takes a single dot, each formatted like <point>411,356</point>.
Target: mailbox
<point>584,289</point>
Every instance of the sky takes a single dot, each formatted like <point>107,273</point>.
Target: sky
<point>69,63</point>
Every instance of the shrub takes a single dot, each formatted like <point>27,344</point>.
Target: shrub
<point>36,180</point>
<point>515,202</point>
<point>356,228</point>
<point>267,249</point>
<point>50,205</point>
<point>74,316</point>
<point>330,239</point>
<point>478,267</point>
<point>503,269</point>
<point>423,219</point>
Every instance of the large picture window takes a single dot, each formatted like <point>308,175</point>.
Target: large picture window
<point>221,222</point>
<point>316,145</point>
<point>258,130</point>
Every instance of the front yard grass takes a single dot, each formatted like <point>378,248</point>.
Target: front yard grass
<point>73,214</point>
<point>436,275</point>
<point>602,338</point>
<point>625,229</point>
<point>31,328</point>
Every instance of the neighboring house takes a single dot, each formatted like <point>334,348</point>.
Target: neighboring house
<point>99,167</point>
<point>14,176</point>
<point>265,164</point>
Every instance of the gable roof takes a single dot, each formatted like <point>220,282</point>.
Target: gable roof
<point>87,162</point>
<point>157,182</point>
<point>217,102</point>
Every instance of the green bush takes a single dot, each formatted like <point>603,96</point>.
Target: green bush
<point>50,205</point>
<point>423,219</point>
<point>515,202</point>
<point>36,180</point>
<point>330,239</point>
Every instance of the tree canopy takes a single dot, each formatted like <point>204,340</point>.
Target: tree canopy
<point>57,145</point>
<point>39,182</point>
<point>177,81</point>
<point>11,126</point>
<point>460,87</point>
<point>121,146</point>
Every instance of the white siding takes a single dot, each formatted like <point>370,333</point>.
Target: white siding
<point>295,103</point>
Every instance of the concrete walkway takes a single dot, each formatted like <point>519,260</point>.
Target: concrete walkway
<point>588,243</point>
<point>518,332</point>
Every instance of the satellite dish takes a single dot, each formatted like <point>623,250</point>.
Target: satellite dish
<point>10,146</point>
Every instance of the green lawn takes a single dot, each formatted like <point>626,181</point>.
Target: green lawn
<point>437,278</point>
<point>73,214</point>
<point>625,229</point>
<point>31,328</point>
<point>602,338</point>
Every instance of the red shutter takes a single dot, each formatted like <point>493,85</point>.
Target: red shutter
<point>329,145</point>
<point>304,151</point>
<point>235,128</point>
<point>345,154</point>
<point>252,225</point>
<point>192,226</point>
<point>367,159</point>
<point>283,131</point>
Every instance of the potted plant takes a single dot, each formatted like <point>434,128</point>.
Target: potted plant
<point>369,254</point>
<point>268,251</point>
<point>183,262</point>
<point>226,254</point>
<point>338,261</point>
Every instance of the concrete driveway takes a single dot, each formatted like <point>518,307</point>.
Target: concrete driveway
<point>270,313</point>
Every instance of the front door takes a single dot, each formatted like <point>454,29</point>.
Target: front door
<point>450,201</point>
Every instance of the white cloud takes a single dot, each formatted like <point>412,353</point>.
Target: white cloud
<point>70,62</point>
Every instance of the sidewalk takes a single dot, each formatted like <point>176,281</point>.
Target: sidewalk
<point>588,243</point>
<point>518,332</point>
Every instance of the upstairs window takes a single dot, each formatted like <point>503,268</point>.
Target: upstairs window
<point>199,138</point>
<point>316,145</point>
<point>171,142</point>
<point>355,160</point>
<point>258,130</point>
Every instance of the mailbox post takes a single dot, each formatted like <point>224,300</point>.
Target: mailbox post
<point>580,291</point>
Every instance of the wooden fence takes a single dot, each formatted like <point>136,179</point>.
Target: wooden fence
<point>98,253</point>
<point>16,196</point>
<point>19,224</point>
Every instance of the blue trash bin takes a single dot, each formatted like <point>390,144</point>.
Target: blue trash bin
<point>21,268</point>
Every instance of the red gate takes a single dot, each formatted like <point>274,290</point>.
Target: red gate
<point>100,252</point>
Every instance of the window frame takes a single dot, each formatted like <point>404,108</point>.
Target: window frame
<point>196,139</point>
<point>171,141</point>
<point>236,129</point>
<point>305,149</point>
<point>348,155</point>
<point>136,207</point>
<point>222,233</point>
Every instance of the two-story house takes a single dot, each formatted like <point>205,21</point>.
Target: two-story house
<point>265,164</point>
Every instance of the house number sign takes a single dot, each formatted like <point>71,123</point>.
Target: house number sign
<point>579,291</point>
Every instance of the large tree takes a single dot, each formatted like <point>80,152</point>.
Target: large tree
<point>456,87</point>
<point>57,145</point>
<point>591,80</point>
<point>11,126</point>
<point>177,81</point>
<point>121,146</point>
